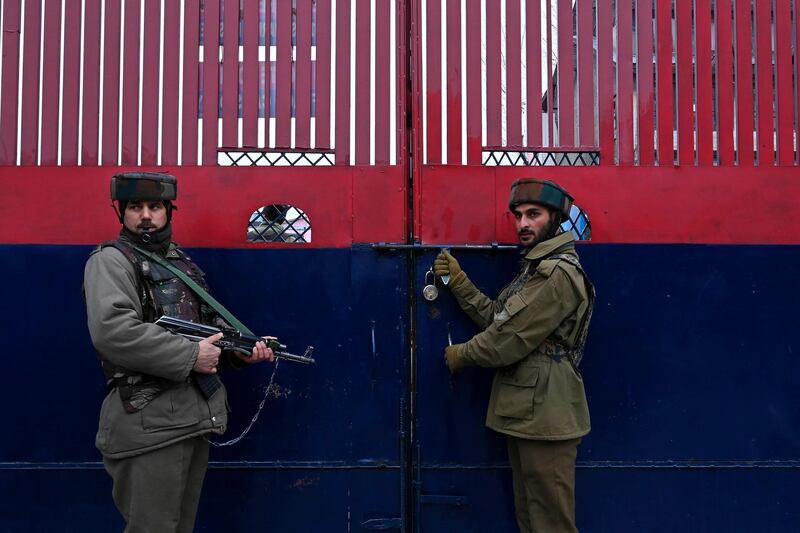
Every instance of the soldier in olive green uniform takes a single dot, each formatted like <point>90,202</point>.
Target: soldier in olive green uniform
<point>533,334</point>
<point>154,419</point>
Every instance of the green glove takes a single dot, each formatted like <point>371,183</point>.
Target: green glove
<point>446,265</point>
<point>453,358</point>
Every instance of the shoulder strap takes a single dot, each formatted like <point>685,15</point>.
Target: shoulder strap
<point>137,266</point>
<point>125,250</point>
<point>200,291</point>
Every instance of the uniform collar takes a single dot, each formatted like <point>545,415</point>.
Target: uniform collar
<point>543,249</point>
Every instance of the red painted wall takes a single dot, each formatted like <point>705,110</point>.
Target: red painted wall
<point>71,205</point>
<point>625,204</point>
<point>457,204</point>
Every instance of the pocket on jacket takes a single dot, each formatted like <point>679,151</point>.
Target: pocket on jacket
<point>514,394</point>
<point>512,307</point>
<point>174,408</point>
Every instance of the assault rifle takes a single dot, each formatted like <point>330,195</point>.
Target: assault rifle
<point>232,339</point>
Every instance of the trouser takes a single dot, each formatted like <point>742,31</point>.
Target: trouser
<point>544,484</point>
<point>159,491</point>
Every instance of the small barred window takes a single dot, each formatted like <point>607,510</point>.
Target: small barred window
<point>279,223</point>
<point>578,224</point>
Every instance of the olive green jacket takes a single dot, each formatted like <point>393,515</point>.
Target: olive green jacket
<point>114,314</point>
<point>534,395</point>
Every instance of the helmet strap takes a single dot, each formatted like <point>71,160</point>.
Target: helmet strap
<point>119,210</point>
<point>170,207</point>
<point>554,224</point>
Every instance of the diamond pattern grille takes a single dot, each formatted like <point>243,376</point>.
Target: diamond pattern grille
<point>279,223</point>
<point>513,158</point>
<point>578,224</point>
<point>238,158</point>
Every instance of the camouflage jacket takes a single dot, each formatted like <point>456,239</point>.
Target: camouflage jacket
<point>124,337</point>
<point>533,335</point>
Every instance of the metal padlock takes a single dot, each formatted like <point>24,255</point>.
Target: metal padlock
<point>430,292</point>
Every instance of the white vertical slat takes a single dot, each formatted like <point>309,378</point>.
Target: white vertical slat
<point>80,83</point>
<point>121,79</point>
<point>272,120</point>
<point>220,54</point>
<point>41,77</point>
<point>160,127</point>
<point>372,83</point>
<point>262,54</point>
<point>200,59</point>
<point>483,73</point>
<point>239,120</point>
<point>547,53</point>
<point>293,85</point>
<point>393,82</point>
<point>503,76</point>
<point>141,83</point>
<point>523,13</point>
<point>20,62</point>
<point>352,82</point>
<point>180,83</point>
<point>101,88</point>
<point>293,90</point>
<point>332,106</point>
<point>423,54</point>
<point>463,23</point>
<point>443,79</point>
<point>314,39</point>
<point>61,86</point>
<point>545,68</point>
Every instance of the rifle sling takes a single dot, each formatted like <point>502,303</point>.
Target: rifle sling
<point>198,290</point>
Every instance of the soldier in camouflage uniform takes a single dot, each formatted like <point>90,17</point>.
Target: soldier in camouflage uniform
<point>154,420</point>
<point>533,334</point>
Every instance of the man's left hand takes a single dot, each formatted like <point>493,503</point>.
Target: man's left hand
<point>453,358</point>
<point>260,353</point>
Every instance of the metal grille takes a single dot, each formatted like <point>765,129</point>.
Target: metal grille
<point>236,158</point>
<point>535,158</point>
<point>578,224</point>
<point>279,223</point>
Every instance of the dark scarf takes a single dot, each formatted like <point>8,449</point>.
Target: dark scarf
<point>156,242</point>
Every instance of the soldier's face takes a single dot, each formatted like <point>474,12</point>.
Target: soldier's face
<point>145,217</point>
<point>533,223</point>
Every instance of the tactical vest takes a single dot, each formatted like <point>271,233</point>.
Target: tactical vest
<point>550,348</point>
<point>161,293</point>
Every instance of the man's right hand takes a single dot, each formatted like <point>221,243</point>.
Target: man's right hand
<point>446,265</point>
<point>208,355</point>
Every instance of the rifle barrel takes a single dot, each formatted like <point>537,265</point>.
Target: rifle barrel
<point>236,340</point>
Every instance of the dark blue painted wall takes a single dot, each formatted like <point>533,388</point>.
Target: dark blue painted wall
<point>329,442</point>
<point>690,362</point>
<point>689,370</point>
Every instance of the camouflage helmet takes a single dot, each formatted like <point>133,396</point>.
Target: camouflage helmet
<point>130,186</point>
<point>545,192</point>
